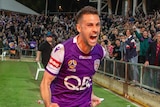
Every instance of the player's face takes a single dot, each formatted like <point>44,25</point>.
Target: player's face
<point>89,29</point>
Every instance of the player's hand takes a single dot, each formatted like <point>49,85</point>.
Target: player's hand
<point>54,105</point>
<point>95,101</point>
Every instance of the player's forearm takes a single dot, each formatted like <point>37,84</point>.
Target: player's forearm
<point>92,95</point>
<point>94,100</point>
<point>45,93</point>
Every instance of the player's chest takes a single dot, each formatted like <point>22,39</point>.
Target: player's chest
<point>82,64</point>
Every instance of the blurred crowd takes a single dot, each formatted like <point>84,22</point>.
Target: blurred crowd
<point>28,31</point>
<point>118,33</point>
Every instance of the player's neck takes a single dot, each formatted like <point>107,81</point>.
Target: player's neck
<point>82,46</point>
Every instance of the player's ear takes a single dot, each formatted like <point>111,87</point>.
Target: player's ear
<point>78,27</point>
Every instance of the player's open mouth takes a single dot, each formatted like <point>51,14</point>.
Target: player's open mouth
<point>93,37</point>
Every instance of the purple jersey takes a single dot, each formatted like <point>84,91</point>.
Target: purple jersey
<point>74,70</point>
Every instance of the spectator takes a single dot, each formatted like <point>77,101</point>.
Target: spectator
<point>117,50</point>
<point>117,55</point>
<point>153,58</point>
<point>113,35</point>
<point>131,54</point>
<point>104,43</point>
<point>32,44</point>
<point>44,50</point>
<point>110,47</point>
<point>145,40</point>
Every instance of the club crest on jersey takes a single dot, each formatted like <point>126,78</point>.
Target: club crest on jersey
<point>72,65</point>
<point>96,64</point>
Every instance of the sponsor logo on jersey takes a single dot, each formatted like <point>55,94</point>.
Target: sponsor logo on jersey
<point>85,57</point>
<point>80,84</point>
<point>56,49</point>
<point>54,62</point>
<point>72,65</point>
<point>96,64</point>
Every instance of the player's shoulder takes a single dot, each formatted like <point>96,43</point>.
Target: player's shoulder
<point>58,47</point>
<point>69,41</point>
<point>100,49</point>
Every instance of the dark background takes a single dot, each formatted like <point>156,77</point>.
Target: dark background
<point>75,5</point>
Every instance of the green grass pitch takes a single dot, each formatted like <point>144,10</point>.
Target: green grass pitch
<point>19,89</point>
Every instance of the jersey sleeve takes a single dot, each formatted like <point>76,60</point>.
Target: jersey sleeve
<point>56,60</point>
